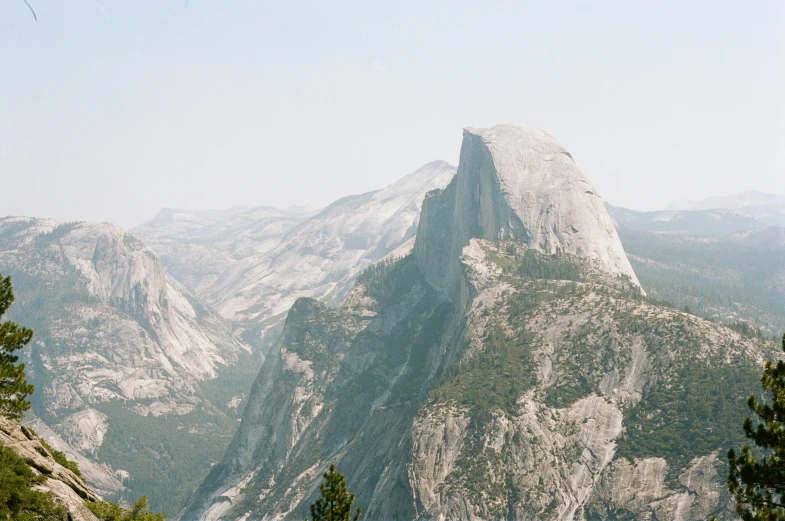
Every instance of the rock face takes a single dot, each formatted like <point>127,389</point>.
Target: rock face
<point>520,382</point>
<point>265,259</point>
<point>122,329</point>
<point>101,477</point>
<point>517,182</point>
<point>66,488</point>
<point>113,335</point>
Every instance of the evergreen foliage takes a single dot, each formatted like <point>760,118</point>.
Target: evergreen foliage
<point>746,330</point>
<point>382,280</point>
<point>168,456</point>
<point>60,457</point>
<point>695,414</point>
<point>524,263</point>
<point>758,479</point>
<point>493,378</point>
<point>18,501</point>
<point>14,388</point>
<point>531,264</point>
<point>720,280</point>
<point>106,511</point>
<point>336,502</point>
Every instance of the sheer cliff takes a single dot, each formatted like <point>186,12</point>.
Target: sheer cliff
<point>517,182</point>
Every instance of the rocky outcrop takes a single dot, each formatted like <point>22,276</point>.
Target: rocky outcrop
<point>301,413</point>
<point>122,328</point>
<point>640,487</point>
<point>517,182</point>
<point>67,489</point>
<point>101,477</point>
<point>366,387</point>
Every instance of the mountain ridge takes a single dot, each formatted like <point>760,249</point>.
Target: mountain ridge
<point>317,255</point>
<point>766,207</point>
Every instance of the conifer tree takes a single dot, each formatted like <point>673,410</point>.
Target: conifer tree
<point>758,479</point>
<point>13,386</point>
<point>336,502</point>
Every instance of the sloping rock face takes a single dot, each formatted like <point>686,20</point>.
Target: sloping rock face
<point>66,488</point>
<point>518,182</point>
<point>102,478</point>
<point>303,409</point>
<point>527,384</point>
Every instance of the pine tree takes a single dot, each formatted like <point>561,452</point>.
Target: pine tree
<point>759,484</point>
<point>13,386</point>
<point>336,502</point>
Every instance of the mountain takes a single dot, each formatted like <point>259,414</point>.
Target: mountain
<point>768,208</point>
<point>721,264</point>
<point>734,202</point>
<point>712,223</point>
<point>251,265</point>
<point>509,367</point>
<point>123,356</point>
<point>198,246</point>
<point>518,182</point>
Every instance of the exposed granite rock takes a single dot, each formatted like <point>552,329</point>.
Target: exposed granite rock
<point>516,181</point>
<point>101,477</point>
<point>110,326</point>
<point>66,488</point>
<point>410,457</point>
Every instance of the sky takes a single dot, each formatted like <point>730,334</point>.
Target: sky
<point>110,109</point>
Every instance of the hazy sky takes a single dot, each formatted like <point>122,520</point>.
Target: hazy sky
<point>111,109</point>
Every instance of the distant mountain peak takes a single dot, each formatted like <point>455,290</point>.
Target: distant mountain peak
<point>767,208</point>
<point>731,202</point>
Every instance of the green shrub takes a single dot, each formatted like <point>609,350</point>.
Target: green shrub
<point>693,413</point>
<point>107,511</point>
<point>61,458</point>
<point>18,501</point>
